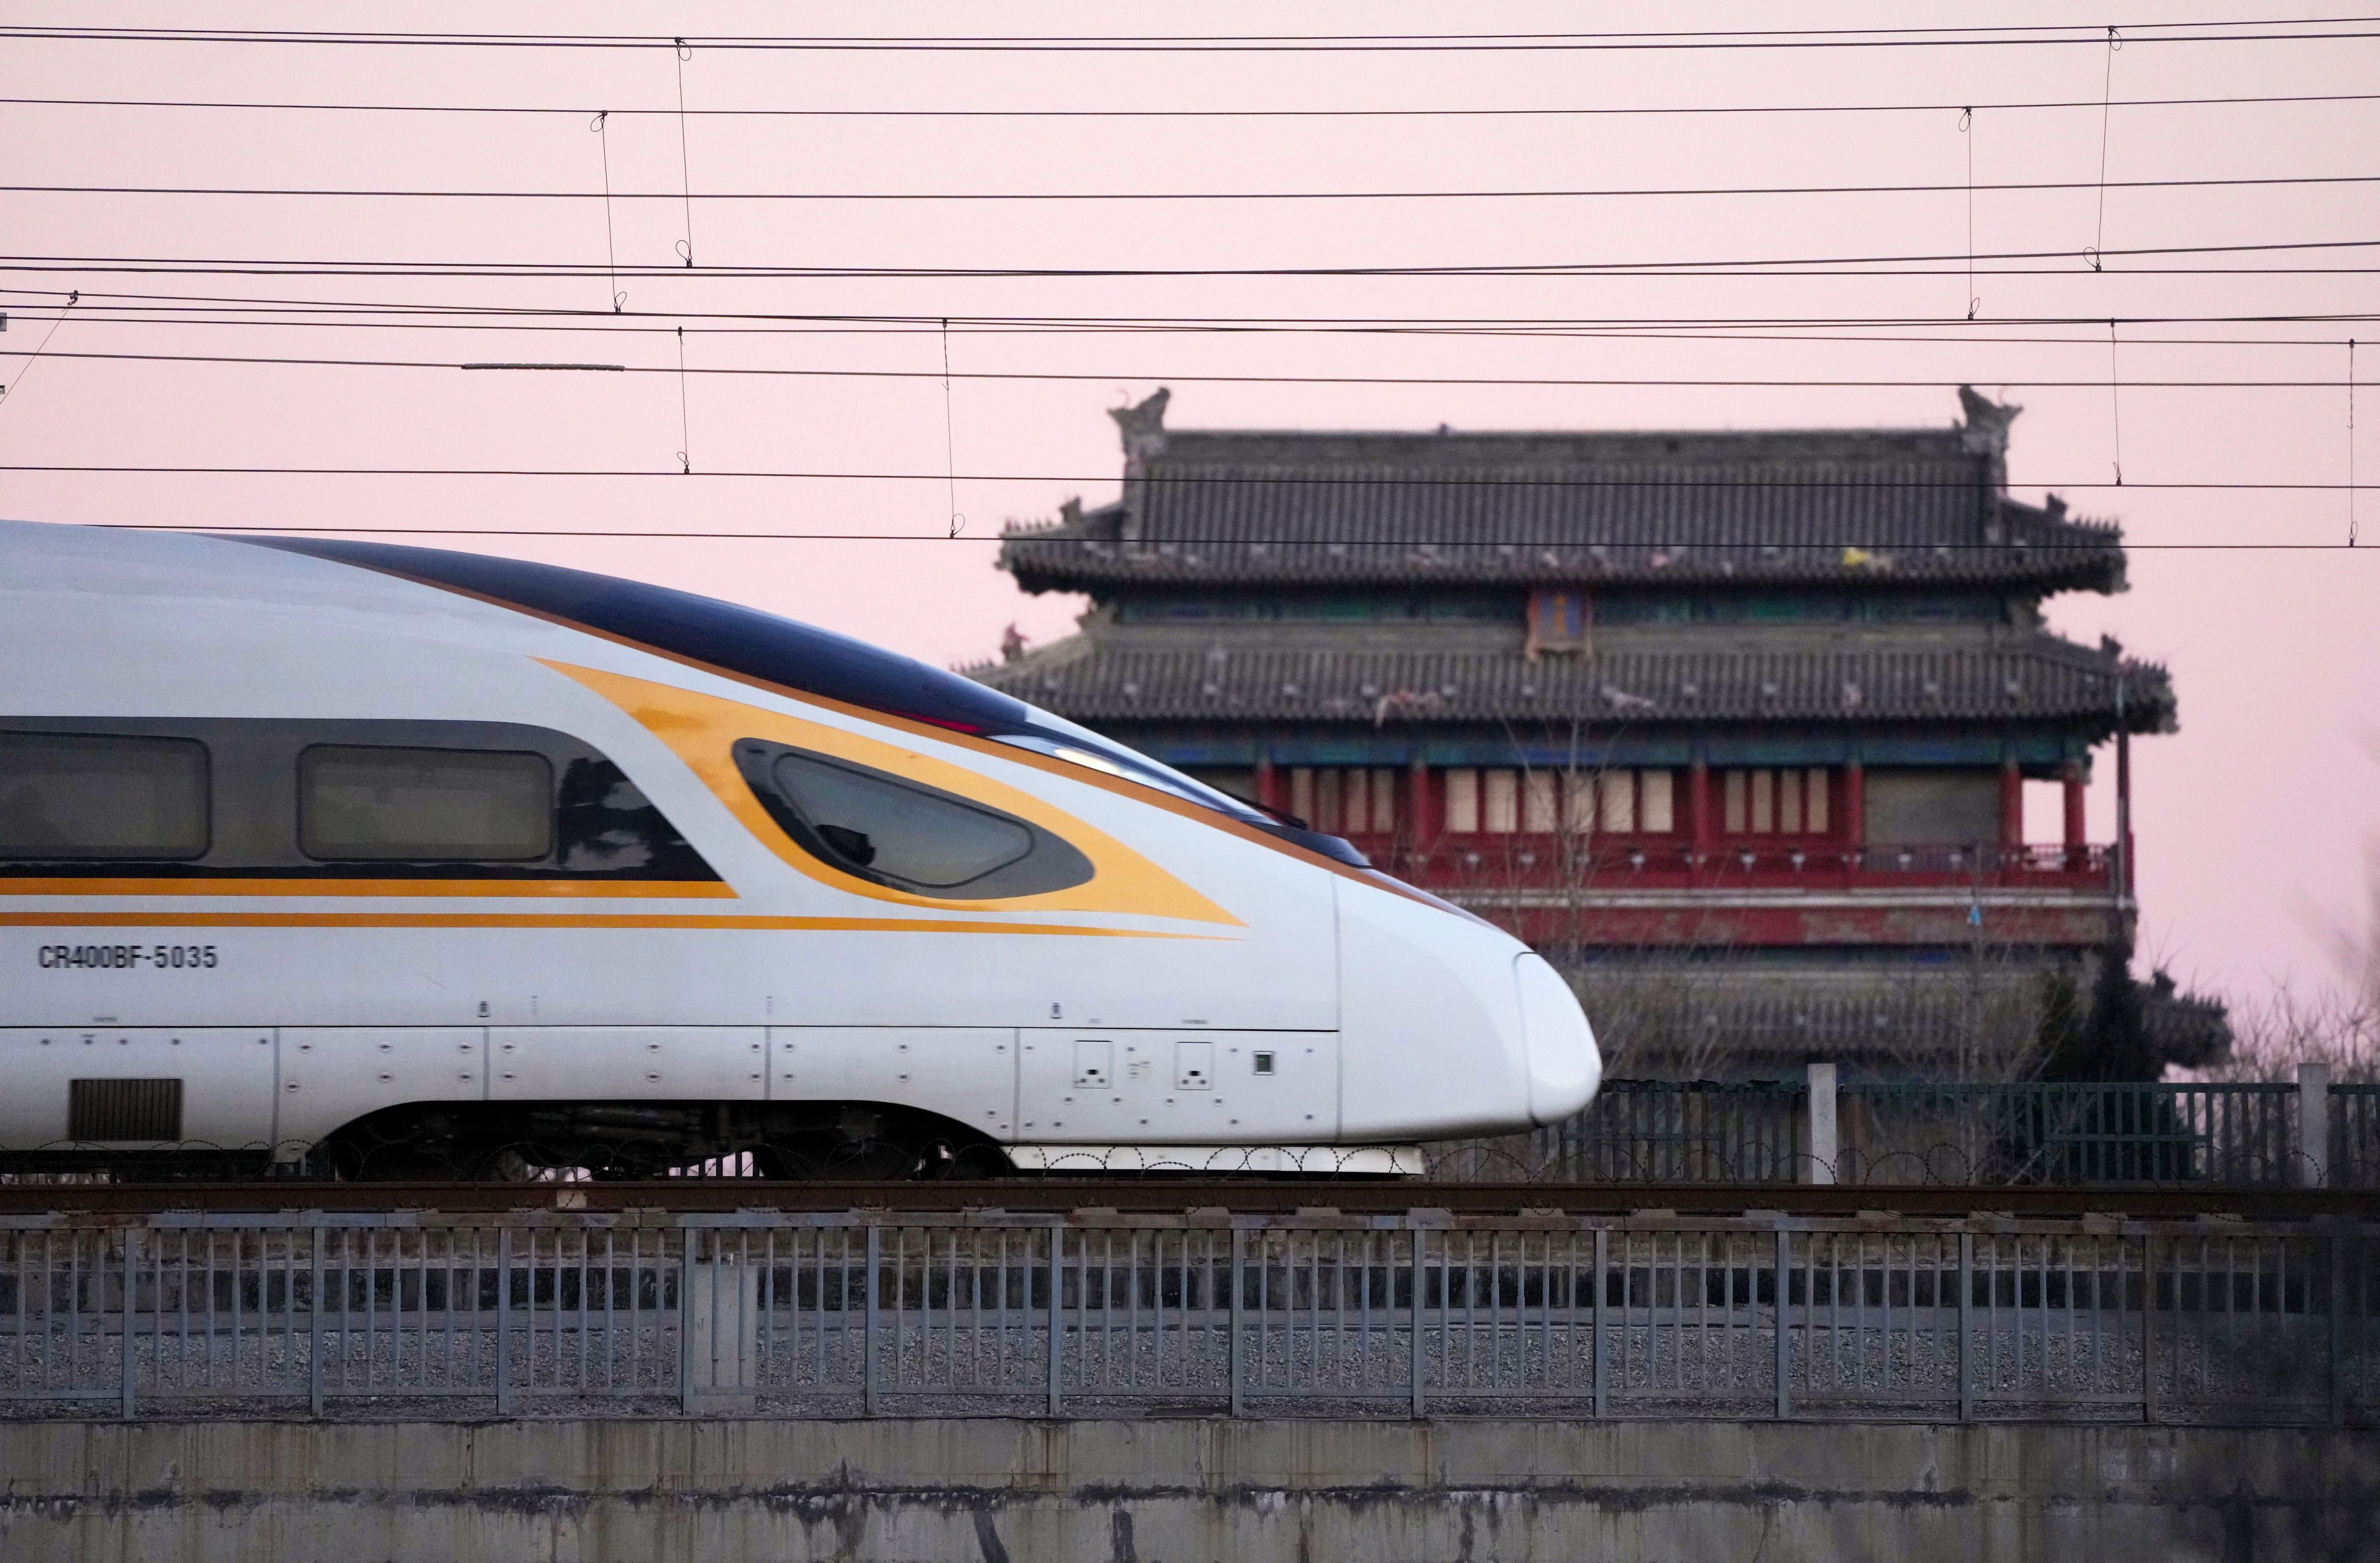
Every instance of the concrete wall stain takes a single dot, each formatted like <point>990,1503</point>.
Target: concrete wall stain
<point>987,1538</point>
<point>985,1491</point>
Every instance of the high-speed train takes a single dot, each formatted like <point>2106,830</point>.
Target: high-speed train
<point>398,862</point>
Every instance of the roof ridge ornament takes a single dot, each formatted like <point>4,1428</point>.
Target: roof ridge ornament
<point>1985,430</point>
<point>1143,425</point>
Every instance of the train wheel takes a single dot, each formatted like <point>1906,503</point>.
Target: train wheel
<point>970,1163</point>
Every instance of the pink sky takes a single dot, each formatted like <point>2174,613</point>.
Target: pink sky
<point>2257,822</point>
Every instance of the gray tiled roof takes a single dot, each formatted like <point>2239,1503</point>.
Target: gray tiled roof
<point>1562,509</point>
<point>2038,677</point>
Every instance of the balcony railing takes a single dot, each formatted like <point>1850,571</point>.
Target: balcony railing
<point>1565,863</point>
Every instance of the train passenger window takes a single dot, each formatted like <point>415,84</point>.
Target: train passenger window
<point>391,803</point>
<point>70,796</point>
<point>607,826</point>
<point>903,834</point>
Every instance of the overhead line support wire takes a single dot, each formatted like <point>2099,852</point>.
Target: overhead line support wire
<point>1612,193</point>
<point>36,356</point>
<point>950,440</point>
<point>2049,549</point>
<point>2107,90</point>
<point>1554,327</point>
<point>684,159</point>
<point>611,247</point>
<point>685,421</point>
<point>891,326</point>
<point>1724,39</point>
<point>1442,112</point>
<point>1967,129</point>
<point>2115,405</point>
<point>560,271</point>
<point>947,375</point>
<point>1897,485</point>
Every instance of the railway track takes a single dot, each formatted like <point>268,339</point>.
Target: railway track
<point>1175,1196</point>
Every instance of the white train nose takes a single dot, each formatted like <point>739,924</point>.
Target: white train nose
<point>1449,1027</point>
<point>1565,1066</point>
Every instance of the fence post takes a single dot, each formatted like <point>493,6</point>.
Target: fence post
<point>1419,1358</point>
<point>314,1330</point>
<point>2339,1259</point>
<point>1966,1307</point>
<point>1824,1151</point>
<point>2148,1331</point>
<point>1057,1324</point>
<point>1602,1284</point>
<point>2313,1124</point>
<point>719,1342</point>
<point>688,1238</point>
<point>1784,1342</point>
<point>868,1335</point>
<point>504,1318</point>
<point>1239,1404</point>
<point>126,1315</point>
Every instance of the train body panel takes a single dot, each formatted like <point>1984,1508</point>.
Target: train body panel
<point>688,931</point>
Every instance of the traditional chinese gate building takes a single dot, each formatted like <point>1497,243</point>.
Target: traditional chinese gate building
<point>1735,726</point>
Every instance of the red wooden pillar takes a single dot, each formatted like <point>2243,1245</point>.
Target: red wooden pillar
<point>1700,828</point>
<point>1267,787</point>
<point>2011,808</point>
<point>1421,808</point>
<point>1854,811</point>
<point>2075,828</point>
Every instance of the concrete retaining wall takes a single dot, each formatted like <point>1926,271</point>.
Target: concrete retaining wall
<point>1184,1491</point>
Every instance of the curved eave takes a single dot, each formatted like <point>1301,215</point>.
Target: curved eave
<point>1100,568</point>
<point>2048,682</point>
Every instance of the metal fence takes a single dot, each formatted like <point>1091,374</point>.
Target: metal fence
<point>2232,1134</point>
<point>784,1314</point>
<point>2355,1136</point>
<point>1663,1132</point>
<point>2238,1134</point>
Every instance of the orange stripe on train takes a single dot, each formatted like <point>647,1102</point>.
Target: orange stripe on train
<point>537,920</point>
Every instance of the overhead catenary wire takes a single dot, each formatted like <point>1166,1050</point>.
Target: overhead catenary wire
<point>550,270</point>
<point>680,323</point>
<point>430,314</point>
<point>2002,36</point>
<point>1899,337</point>
<point>1179,478</point>
<point>1888,263</point>
<point>946,374</point>
<point>1439,112</point>
<point>1580,545</point>
<point>1613,192</point>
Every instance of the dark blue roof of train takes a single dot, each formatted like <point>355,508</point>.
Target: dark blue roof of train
<point>723,634</point>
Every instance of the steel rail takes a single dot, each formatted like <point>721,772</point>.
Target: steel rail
<point>1164,1195</point>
